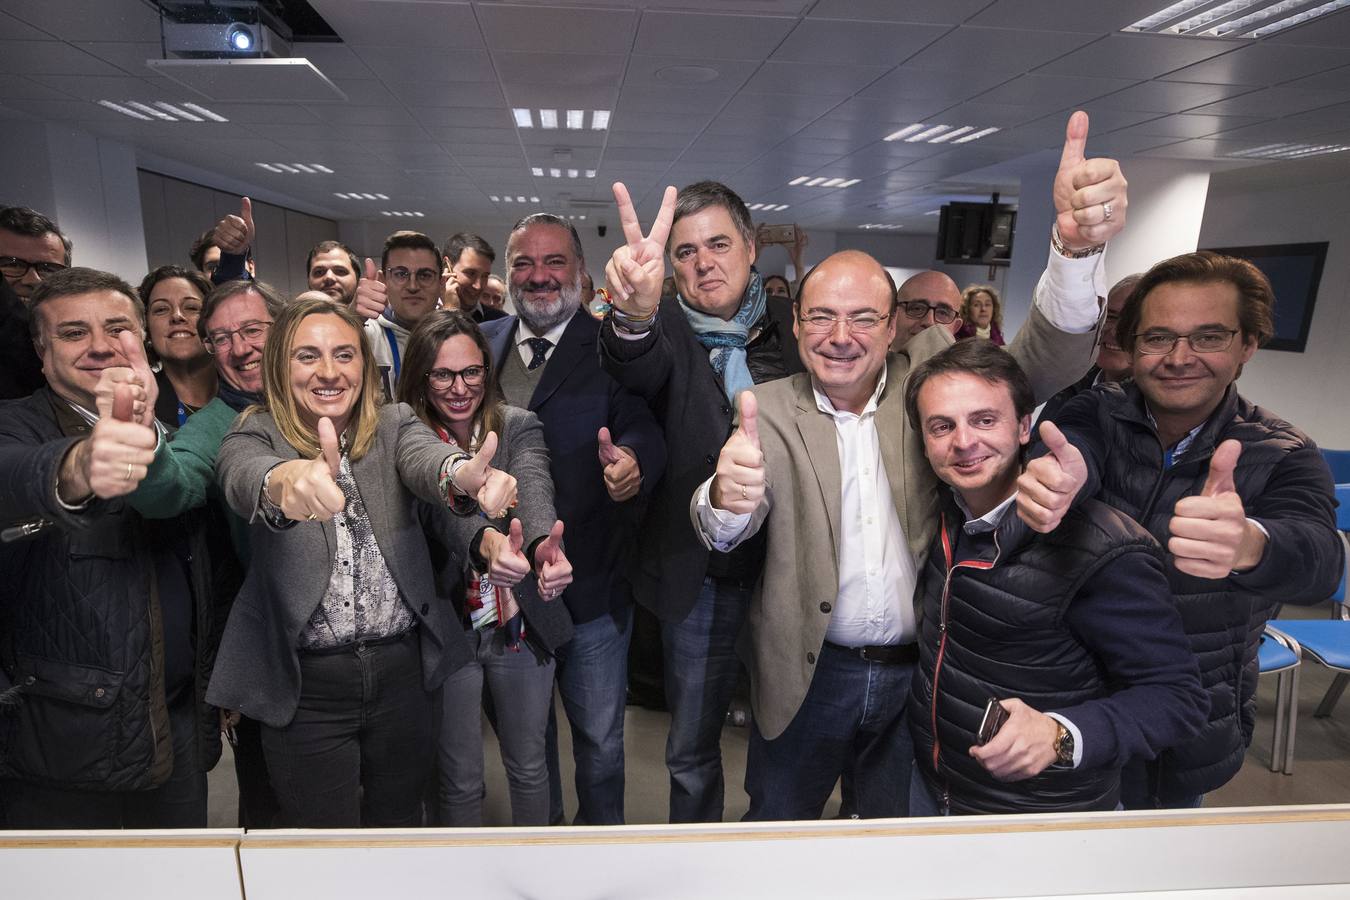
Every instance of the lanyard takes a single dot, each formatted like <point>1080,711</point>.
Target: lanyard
<point>182,414</point>
<point>393,349</point>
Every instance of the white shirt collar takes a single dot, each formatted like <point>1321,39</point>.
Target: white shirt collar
<point>824,404</point>
<point>553,335</point>
<point>990,520</point>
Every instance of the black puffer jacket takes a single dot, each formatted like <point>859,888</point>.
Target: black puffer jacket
<point>1076,622</point>
<point>80,630</point>
<point>1285,486</point>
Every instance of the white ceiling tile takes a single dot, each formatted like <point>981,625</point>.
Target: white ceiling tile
<point>539,28</point>
<point>1005,50</point>
<point>365,92</point>
<point>937,88</point>
<point>1169,96</point>
<point>481,94</point>
<point>16,88</point>
<point>477,127</point>
<point>779,105</point>
<point>1053,92</point>
<point>861,43</point>
<point>394,23</point>
<point>1277,101</point>
<point>815,79</point>
<point>1330,80</point>
<point>881,112</point>
<point>49,58</point>
<point>1262,64</point>
<point>654,100</point>
<point>118,88</point>
<point>1136,56</point>
<point>266,114</point>
<point>666,71</point>
<point>1189,125</point>
<point>765,127</point>
<point>560,97</point>
<point>77,20</point>
<point>936,12</point>
<point>986,115</point>
<point>15,30</point>
<point>1052,15</point>
<point>341,114</point>
<point>679,126</point>
<point>699,36</point>
<point>559,68</point>
<point>130,57</point>
<point>414,64</point>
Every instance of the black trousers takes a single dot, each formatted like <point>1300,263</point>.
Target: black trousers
<point>178,803</point>
<point>361,745</point>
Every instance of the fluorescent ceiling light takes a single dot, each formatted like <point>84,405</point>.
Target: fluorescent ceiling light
<point>537,172</point>
<point>985,132</point>
<point>269,167</point>
<point>798,180</point>
<point>815,181</point>
<point>850,183</point>
<point>324,169</point>
<point>203,111</point>
<point>508,199</point>
<point>304,168</point>
<point>957,132</point>
<point>572,173</point>
<point>590,173</point>
<point>1167,14</point>
<point>832,182</point>
<point>534,199</point>
<point>576,118</point>
<point>1273,19</point>
<point>755,206</point>
<point>1234,18</point>
<point>118,108</point>
<point>780,207</point>
<point>599,122</point>
<point>180,113</point>
<point>523,119</point>
<point>520,199</point>
<point>150,111</point>
<point>548,118</point>
<point>382,196</point>
<point>495,199</point>
<point>903,133</point>
<point>927,134</point>
<point>555,173</point>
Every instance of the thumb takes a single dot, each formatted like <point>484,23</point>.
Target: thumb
<point>483,458</point>
<point>1075,140</point>
<point>609,454</point>
<point>515,537</point>
<point>549,546</point>
<point>123,403</point>
<point>1221,466</point>
<point>749,417</point>
<point>370,269</point>
<point>132,348</point>
<point>246,210</point>
<point>1054,440</point>
<point>328,444</point>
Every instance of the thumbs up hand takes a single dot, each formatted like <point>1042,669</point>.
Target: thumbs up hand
<point>371,294</point>
<point>506,564</point>
<point>738,486</point>
<point>134,382</point>
<point>551,564</point>
<point>623,477</point>
<point>234,234</point>
<point>1089,194</point>
<point>494,489</point>
<point>1047,486</point>
<point>306,489</point>
<point>1211,536</point>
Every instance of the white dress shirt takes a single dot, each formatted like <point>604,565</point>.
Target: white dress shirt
<point>553,335</point>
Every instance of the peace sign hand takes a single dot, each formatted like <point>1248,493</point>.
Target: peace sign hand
<point>634,273</point>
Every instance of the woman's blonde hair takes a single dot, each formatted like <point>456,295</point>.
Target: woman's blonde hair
<point>970,292</point>
<point>280,402</point>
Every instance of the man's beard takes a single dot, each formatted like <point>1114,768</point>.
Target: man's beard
<point>542,317</point>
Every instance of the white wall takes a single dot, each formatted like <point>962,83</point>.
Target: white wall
<point>1306,388</point>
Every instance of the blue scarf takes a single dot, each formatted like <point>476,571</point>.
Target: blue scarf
<point>726,340</point>
<point>236,399</point>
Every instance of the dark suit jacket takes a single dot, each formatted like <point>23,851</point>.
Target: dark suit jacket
<point>574,400</point>
<point>258,666</point>
<point>670,369</point>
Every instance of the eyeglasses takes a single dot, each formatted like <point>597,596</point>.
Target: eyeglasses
<point>401,274</point>
<point>440,379</point>
<point>823,323</point>
<point>917,309</point>
<point>253,333</point>
<point>1209,341</point>
<point>16,268</point>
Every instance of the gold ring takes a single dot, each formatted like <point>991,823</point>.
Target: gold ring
<point>1107,212</point>
<point>131,472</point>
<point>744,495</point>
<point>311,517</point>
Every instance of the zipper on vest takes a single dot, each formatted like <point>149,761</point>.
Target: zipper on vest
<point>942,647</point>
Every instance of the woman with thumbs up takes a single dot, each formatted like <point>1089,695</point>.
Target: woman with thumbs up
<point>338,641</point>
<point>503,595</point>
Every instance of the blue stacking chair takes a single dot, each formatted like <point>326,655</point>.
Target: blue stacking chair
<point>1339,463</point>
<point>1280,655</point>
<point>1326,641</point>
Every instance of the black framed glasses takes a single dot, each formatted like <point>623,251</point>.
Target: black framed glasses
<point>252,333</point>
<point>16,268</point>
<point>401,274</point>
<point>823,323</point>
<point>1211,340</point>
<point>917,309</point>
<point>440,379</point>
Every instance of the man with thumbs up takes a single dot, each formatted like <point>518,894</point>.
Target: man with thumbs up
<point>605,451</point>
<point>110,619</point>
<point>1241,500</point>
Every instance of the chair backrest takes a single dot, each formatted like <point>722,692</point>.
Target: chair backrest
<point>1339,463</point>
<point>1343,507</point>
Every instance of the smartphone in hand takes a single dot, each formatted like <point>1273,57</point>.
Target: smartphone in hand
<point>994,717</point>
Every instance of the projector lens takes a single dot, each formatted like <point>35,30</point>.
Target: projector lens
<point>241,38</point>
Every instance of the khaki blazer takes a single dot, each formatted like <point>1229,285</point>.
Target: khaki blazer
<point>793,599</point>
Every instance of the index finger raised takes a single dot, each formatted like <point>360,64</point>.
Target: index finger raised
<point>632,228</point>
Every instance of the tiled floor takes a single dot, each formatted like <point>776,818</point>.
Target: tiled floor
<point>1321,772</point>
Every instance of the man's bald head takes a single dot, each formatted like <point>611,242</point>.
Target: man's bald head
<point>858,267</point>
<point>934,289</point>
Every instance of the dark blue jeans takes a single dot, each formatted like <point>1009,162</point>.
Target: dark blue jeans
<point>853,716</point>
<point>593,683</point>
<point>1137,790</point>
<point>701,672</point>
<point>361,745</point>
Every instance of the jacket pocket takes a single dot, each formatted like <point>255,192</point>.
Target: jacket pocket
<point>67,724</point>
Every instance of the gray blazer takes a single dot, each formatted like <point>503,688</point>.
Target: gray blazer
<point>790,608</point>
<point>258,667</point>
<point>521,453</point>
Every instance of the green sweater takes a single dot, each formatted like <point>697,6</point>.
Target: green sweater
<point>184,472</point>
